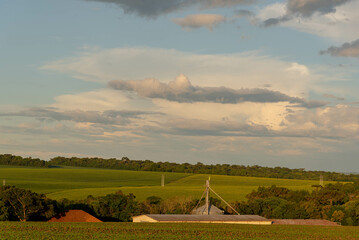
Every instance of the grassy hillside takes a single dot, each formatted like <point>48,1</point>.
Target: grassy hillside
<point>16,230</point>
<point>231,188</point>
<point>49,180</point>
<point>78,183</point>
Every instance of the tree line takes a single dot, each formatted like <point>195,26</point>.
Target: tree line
<point>335,202</point>
<point>198,168</point>
<point>8,159</point>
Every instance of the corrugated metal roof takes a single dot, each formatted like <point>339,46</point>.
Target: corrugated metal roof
<point>213,210</point>
<point>190,218</point>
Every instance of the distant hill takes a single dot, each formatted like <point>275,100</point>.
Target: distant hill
<point>76,183</point>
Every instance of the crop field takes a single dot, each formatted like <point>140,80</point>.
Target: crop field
<point>50,180</point>
<point>78,183</point>
<point>33,230</point>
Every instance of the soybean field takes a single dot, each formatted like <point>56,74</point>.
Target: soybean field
<point>78,183</point>
<point>43,230</point>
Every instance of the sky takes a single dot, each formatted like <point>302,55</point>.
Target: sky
<point>248,82</point>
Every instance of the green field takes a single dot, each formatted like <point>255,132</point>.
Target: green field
<point>78,183</point>
<point>17,230</point>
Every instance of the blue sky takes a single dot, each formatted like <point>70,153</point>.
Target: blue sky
<point>271,83</point>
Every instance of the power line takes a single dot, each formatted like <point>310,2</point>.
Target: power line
<point>224,201</point>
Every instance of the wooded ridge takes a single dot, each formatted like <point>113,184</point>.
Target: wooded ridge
<point>198,168</point>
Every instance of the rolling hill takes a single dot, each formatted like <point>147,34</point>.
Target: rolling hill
<point>78,183</point>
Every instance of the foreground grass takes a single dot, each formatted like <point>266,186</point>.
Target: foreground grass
<point>17,230</point>
<point>78,183</point>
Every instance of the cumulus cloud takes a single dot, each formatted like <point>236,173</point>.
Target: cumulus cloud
<point>305,9</point>
<point>154,8</point>
<point>340,25</point>
<point>332,122</point>
<point>346,50</point>
<point>234,70</point>
<point>181,90</point>
<point>200,20</point>
<point>268,128</point>
<point>260,119</point>
<point>340,121</point>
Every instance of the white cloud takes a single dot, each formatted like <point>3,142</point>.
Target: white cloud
<point>340,121</point>
<point>269,115</point>
<point>275,10</point>
<point>254,130</point>
<point>299,69</point>
<point>200,20</point>
<point>237,70</point>
<point>101,99</point>
<point>340,25</point>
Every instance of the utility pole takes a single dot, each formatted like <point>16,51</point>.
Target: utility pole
<point>207,196</point>
<point>3,182</point>
<point>163,180</point>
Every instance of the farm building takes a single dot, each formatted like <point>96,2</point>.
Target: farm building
<point>74,216</point>
<point>184,218</point>
<point>207,213</point>
<point>207,210</point>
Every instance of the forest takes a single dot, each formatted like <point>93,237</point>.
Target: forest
<point>335,202</point>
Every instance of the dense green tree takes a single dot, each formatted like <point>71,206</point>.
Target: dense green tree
<point>5,214</point>
<point>8,159</point>
<point>265,192</point>
<point>151,205</point>
<point>115,207</point>
<point>335,202</point>
<point>24,204</point>
<point>352,212</point>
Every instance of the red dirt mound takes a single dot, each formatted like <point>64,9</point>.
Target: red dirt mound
<point>304,222</point>
<point>74,216</point>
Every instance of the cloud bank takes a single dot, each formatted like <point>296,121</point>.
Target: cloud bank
<point>338,23</point>
<point>181,90</point>
<point>305,9</point>
<point>105,117</point>
<point>155,8</point>
<point>267,127</point>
